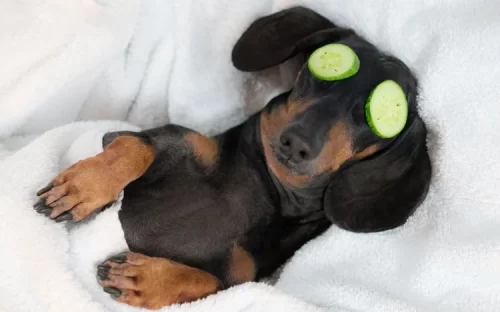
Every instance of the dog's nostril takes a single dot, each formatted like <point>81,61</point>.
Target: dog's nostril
<point>285,141</point>
<point>303,155</point>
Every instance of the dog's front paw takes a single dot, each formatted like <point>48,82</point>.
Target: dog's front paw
<point>79,191</point>
<point>153,283</point>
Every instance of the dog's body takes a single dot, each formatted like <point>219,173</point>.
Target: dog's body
<point>229,192</point>
<point>203,213</point>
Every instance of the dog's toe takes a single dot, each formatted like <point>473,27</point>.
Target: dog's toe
<point>40,205</point>
<point>42,208</point>
<point>116,279</point>
<point>64,217</point>
<point>116,270</point>
<point>120,258</point>
<point>114,292</point>
<point>103,271</point>
<point>45,189</point>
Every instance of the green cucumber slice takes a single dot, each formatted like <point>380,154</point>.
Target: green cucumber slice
<point>387,109</point>
<point>333,61</point>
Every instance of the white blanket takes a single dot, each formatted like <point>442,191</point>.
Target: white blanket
<point>152,62</point>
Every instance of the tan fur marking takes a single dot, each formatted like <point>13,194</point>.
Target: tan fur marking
<point>336,151</point>
<point>205,148</point>
<point>274,121</point>
<point>242,266</point>
<point>129,157</point>
<point>271,124</point>
<point>153,283</point>
<point>367,152</point>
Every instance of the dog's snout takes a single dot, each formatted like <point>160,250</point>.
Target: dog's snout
<point>294,146</point>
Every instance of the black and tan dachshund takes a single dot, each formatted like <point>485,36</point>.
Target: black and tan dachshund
<point>203,213</point>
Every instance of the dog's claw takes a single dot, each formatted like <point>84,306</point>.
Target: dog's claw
<point>107,206</point>
<point>45,211</point>
<point>121,258</point>
<point>103,275</point>
<point>40,205</point>
<point>112,291</point>
<point>45,189</point>
<point>102,271</point>
<point>104,267</point>
<point>64,217</point>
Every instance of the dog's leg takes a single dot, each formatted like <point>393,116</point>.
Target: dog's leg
<point>152,283</point>
<point>95,182</point>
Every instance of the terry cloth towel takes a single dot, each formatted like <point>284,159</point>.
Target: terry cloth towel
<point>145,63</point>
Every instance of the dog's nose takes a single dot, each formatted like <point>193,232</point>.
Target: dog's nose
<point>294,146</point>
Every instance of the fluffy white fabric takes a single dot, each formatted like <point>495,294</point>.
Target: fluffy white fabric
<point>152,62</point>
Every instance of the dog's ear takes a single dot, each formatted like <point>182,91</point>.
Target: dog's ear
<point>273,39</point>
<point>383,191</point>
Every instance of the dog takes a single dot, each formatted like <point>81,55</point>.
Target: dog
<point>201,214</point>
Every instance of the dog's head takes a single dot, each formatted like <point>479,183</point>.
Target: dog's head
<point>320,139</point>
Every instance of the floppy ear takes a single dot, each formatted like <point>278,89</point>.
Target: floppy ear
<point>382,192</point>
<point>271,40</point>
